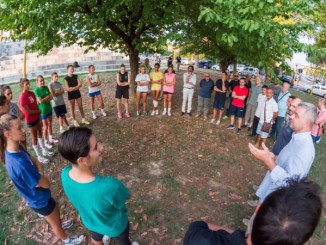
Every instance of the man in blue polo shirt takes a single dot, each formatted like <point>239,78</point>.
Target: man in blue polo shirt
<point>206,88</point>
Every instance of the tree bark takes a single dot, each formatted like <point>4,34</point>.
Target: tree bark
<point>133,61</point>
<point>196,60</point>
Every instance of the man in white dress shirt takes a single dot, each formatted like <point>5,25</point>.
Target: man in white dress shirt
<point>189,83</point>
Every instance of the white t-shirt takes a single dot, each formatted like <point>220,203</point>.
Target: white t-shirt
<point>142,78</point>
<point>271,107</point>
<point>260,102</point>
<point>94,79</point>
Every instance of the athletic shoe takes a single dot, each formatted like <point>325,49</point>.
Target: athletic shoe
<point>182,113</point>
<point>253,203</point>
<point>138,113</point>
<point>106,240</point>
<point>54,140</point>
<point>76,124</point>
<point>238,131</point>
<point>66,224</point>
<point>47,153</point>
<point>225,117</point>
<point>169,113</point>
<point>135,243</point>
<point>144,113</point>
<point>218,122</point>
<point>156,112</point>
<point>74,240</point>
<point>244,126</point>
<point>164,113</point>
<point>84,121</point>
<point>48,145</point>
<point>197,115</point>
<point>127,114</point>
<point>61,130</point>
<point>230,127</point>
<point>94,116</point>
<point>153,113</point>
<point>43,160</point>
<point>213,120</point>
<point>189,113</point>
<point>119,116</point>
<point>103,113</point>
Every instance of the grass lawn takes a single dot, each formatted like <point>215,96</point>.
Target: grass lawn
<point>178,169</point>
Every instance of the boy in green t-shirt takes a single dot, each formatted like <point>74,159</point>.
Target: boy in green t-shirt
<point>100,201</point>
<point>44,97</point>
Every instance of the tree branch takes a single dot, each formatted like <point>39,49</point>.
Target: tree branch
<point>127,40</point>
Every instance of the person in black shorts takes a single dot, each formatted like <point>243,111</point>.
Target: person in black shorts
<point>73,84</point>
<point>221,88</point>
<point>123,82</point>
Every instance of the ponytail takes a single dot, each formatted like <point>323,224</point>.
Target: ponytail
<point>5,125</point>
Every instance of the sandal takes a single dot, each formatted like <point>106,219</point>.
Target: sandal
<point>127,114</point>
<point>119,115</point>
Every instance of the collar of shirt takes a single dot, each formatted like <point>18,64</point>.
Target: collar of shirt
<point>301,136</point>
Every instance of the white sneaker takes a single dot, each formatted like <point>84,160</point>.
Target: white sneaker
<point>47,153</point>
<point>153,113</point>
<point>164,113</point>
<point>253,203</point>
<point>61,130</point>
<point>169,113</point>
<point>106,240</point>
<point>53,140</point>
<point>135,243</point>
<point>156,112</point>
<point>94,116</point>
<point>48,145</point>
<point>218,122</point>
<point>43,160</point>
<point>76,124</point>
<point>103,113</point>
<point>74,240</point>
<point>138,113</point>
<point>213,120</point>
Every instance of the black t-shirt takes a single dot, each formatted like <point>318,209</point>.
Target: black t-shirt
<point>72,81</point>
<point>248,85</point>
<point>234,83</point>
<point>123,78</point>
<point>218,84</point>
<point>170,61</point>
<point>199,234</point>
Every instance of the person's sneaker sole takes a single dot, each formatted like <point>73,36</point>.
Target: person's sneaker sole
<point>67,224</point>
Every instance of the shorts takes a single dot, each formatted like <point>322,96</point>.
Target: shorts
<point>156,87</point>
<point>60,110</point>
<point>124,235</point>
<point>122,92</point>
<point>236,111</point>
<point>45,116</point>
<point>97,93</point>
<point>48,209</point>
<point>219,103</point>
<point>73,95</point>
<point>315,138</point>
<point>263,135</point>
<point>165,92</point>
<point>33,124</point>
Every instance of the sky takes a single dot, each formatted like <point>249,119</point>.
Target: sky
<point>300,59</point>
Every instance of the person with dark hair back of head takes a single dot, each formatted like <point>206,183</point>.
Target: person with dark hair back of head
<point>100,200</point>
<point>288,216</point>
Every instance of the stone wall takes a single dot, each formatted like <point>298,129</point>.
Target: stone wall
<point>12,58</point>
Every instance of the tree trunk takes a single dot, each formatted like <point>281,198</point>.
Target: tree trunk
<point>196,60</point>
<point>133,61</point>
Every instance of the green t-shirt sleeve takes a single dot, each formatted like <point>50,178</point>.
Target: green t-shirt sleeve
<point>115,193</point>
<point>37,93</point>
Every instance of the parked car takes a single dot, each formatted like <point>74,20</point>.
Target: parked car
<point>252,71</point>
<point>206,64</point>
<point>317,89</point>
<point>286,78</point>
<point>185,61</point>
<point>240,67</point>
<point>216,67</point>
